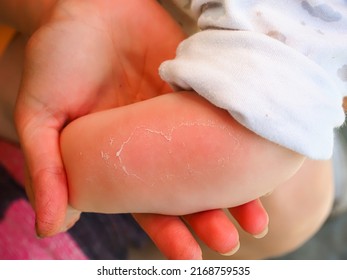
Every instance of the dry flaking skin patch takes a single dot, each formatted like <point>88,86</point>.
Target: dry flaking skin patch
<point>116,158</point>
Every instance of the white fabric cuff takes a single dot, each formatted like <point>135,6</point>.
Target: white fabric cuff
<point>268,87</point>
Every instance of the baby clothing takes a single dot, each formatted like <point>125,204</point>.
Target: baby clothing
<point>278,67</point>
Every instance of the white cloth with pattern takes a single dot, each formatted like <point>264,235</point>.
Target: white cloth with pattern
<point>278,67</point>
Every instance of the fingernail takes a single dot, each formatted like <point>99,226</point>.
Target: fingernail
<point>37,231</point>
<point>262,234</point>
<point>233,251</point>
<point>72,216</point>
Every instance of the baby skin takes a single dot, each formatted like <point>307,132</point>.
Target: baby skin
<point>182,156</point>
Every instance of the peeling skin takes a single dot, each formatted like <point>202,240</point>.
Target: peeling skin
<point>105,156</point>
<point>169,137</point>
<point>182,155</point>
<point>119,157</point>
<point>111,141</point>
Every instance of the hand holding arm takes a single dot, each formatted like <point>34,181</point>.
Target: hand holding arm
<point>74,64</point>
<point>82,76</point>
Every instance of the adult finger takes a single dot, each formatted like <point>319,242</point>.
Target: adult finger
<point>39,135</point>
<point>170,235</point>
<point>252,218</point>
<point>216,230</point>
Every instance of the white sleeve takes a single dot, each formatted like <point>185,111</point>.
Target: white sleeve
<point>278,67</point>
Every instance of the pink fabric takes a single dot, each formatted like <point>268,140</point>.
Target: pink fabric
<point>17,230</point>
<point>18,239</point>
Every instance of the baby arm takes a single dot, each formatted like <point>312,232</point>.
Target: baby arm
<point>174,154</point>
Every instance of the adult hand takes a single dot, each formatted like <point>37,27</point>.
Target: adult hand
<point>90,56</point>
<point>76,63</point>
